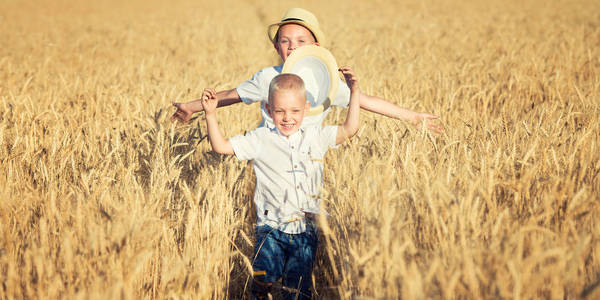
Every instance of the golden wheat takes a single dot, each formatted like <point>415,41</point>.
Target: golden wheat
<point>102,197</point>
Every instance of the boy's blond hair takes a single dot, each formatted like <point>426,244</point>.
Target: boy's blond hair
<point>286,82</point>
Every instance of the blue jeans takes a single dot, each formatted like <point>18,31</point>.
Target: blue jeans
<point>288,256</point>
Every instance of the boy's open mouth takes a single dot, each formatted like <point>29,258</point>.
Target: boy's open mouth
<point>287,126</point>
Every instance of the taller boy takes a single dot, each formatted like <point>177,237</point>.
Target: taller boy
<point>297,28</point>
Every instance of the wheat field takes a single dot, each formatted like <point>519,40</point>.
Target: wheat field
<point>102,197</point>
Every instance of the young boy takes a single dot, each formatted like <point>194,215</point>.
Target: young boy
<point>299,27</point>
<point>287,164</point>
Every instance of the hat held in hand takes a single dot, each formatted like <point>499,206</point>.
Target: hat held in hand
<point>319,71</point>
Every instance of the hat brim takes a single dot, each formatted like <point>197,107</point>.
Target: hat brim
<point>317,33</point>
<point>319,71</point>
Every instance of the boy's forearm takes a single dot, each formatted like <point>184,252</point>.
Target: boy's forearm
<point>383,107</point>
<point>226,98</point>
<point>352,123</point>
<point>217,141</point>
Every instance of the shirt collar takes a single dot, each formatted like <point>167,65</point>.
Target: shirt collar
<point>291,137</point>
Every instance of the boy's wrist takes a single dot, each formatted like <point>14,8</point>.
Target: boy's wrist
<point>355,92</point>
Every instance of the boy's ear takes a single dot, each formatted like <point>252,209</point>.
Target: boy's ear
<point>268,110</point>
<point>306,106</point>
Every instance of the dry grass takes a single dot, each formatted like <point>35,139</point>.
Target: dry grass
<point>102,197</point>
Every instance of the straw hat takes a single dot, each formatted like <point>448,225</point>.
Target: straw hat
<point>298,16</point>
<point>319,71</point>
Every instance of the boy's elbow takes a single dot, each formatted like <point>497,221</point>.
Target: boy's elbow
<point>221,150</point>
<point>353,131</point>
<point>350,131</point>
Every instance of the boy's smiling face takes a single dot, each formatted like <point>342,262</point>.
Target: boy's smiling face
<point>287,109</point>
<point>292,36</point>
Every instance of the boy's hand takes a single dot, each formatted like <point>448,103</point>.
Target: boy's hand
<point>183,113</point>
<point>420,119</point>
<point>351,79</point>
<point>209,101</point>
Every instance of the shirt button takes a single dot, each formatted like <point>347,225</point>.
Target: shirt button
<point>295,166</point>
<point>297,187</point>
<point>292,147</point>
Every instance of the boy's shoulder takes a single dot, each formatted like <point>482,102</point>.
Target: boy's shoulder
<point>269,71</point>
<point>312,129</point>
<point>320,138</point>
<point>262,130</point>
<point>259,132</point>
<point>312,132</point>
<point>317,128</point>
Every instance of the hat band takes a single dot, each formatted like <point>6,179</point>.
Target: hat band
<point>292,19</point>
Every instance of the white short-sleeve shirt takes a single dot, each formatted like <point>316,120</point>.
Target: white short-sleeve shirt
<point>289,172</point>
<point>257,90</point>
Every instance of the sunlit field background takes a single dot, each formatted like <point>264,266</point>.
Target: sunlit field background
<point>102,197</point>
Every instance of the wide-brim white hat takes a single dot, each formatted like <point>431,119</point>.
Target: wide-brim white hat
<point>319,71</point>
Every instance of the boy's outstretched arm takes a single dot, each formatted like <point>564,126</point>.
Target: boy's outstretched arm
<point>186,110</point>
<point>350,126</point>
<point>218,142</point>
<point>383,107</point>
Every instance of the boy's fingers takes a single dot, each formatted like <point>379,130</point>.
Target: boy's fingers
<point>436,128</point>
<point>433,125</point>
<point>177,117</point>
<point>345,70</point>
